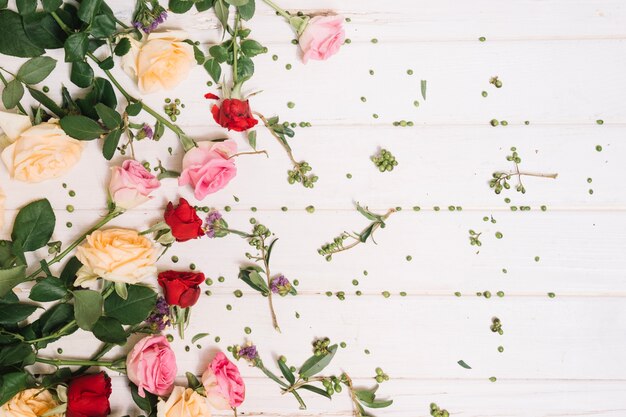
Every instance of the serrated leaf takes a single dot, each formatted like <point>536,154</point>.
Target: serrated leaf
<point>237,2</point>
<point>51,5</point>
<point>81,74</point>
<point>247,11</point>
<point>110,144</point>
<point>87,308</point>
<point>109,117</point>
<point>180,6</point>
<point>10,277</point>
<point>48,289</point>
<point>76,47</point>
<point>12,94</point>
<point>219,53</point>
<point>109,330</point>
<point>88,9</point>
<point>12,313</point>
<point>214,69</point>
<point>315,364</point>
<point>18,44</point>
<point>221,11</point>
<point>107,63</point>
<point>284,369</point>
<point>34,225</point>
<point>204,5</point>
<point>122,47</point>
<point>35,70</point>
<point>137,306</point>
<point>26,6</point>
<point>252,48</point>
<point>133,109</point>
<point>81,127</point>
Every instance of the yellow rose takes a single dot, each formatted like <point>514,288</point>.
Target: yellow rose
<point>118,255</point>
<point>183,402</point>
<point>2,198</point>
<point>161,62</point>
<point>37,153</point>
<point>29,403</point>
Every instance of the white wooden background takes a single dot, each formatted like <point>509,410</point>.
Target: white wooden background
<point>562,63</point>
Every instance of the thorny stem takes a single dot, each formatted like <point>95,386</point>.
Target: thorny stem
<point>19,105</point>
<point>110,216</point>
<point>79,362</point>
<point>269,294</point>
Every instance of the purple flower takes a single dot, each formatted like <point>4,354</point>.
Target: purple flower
<point>249,353</point>
<point>145,132</point>
<point>159,319</point>
<point>148,18</point>
<point>280,285</point>
<point>215,225</point>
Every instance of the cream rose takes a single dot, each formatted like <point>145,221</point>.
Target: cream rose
<point>37,153</point>
<point>162,61</point>
<point>29,403</point>
<point>2,198</point>
<point>183,402</point>
<point>118,255</point>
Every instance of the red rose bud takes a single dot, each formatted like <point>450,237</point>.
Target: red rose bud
<point>181,288</point>
<point>234,114</point>
<point>183,220</point>
<point>88,396</point>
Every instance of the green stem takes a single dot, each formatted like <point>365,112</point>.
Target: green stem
<point>56,334</point>
<point>235,46</point>
<point>266,264</point>
<point>112,214</point>
<point>270,375</point>
<point>74,362</point>
<point>61,23</point>
<point>239,233</point>
<point>19,105</point>
<point>274,6</point>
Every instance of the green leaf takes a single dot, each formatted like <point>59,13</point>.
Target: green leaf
<point>252,48</point>
<point>377,404</point>
<point>48,289</point>
<point>107,63</point>
<point>317,390</point>
<point>135,309</point>
<point>81,74</point>
<point>269,249</point>
<point>463,364</point>
<point>87,308</point>
<point>221,11</point>
<point>245,70</point>
<point>26,6</point>
<point>147,403</point>
<point>14,41</point>
<point>101,92</point>
<point>34,225</point>
<point>219,53</point>
<point>366,233</point>
<point>103,26</point>
<point>12,94</point>
<point>423,87</point>
<point>110,144</point>
<point>10,277</point>
<point>55,318</point>
<point>43,31</point>
<point>251,276</point>
<point>122,47</point>
<point>368,214</point>
<point>284,369</point>
<point>35,70</point>
<point>12,313</point>
<point>46,101</point>
<point>237,2</point>
<point>316,364</point>
<point>366,395</point>
<point>133,109</point>
<point>51,5</point>
<point>192,381</point>
<point>88,9</point>
<point>81,127</point>
<point>204,5</point>
<point>180,6</point>
<point>4,4</point>
<point>11,384</point>
<point>109,117</point>
<point>252,139</point>
<point>213,68</point>
<point>247,11</point>
<point>68,276</point>
<point>198,337</point>
<point>109,330</point>
<point>7,257</point>
<point>16,355</point>
<point>121,290</point>
<point>76,47</point>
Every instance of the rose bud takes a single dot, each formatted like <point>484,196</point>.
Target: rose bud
<point>131,184</point>
<point>183,221</point>
<point>88,396</point>
<point>181,288</point>
<point>151,365</point>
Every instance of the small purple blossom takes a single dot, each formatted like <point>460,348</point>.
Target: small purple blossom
<point>147,19</point>
<point>249,353</point>
<point>214,222</point>
<point>145,132</point>
<point>159,319</point>
<point>279,282</point>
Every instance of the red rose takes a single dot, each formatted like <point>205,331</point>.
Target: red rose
<point>234,114</point>
<point>88,396</point>
<point>183,220</point>
<point>181,288</point>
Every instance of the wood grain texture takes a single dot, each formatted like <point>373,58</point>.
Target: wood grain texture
<point>561,63</point>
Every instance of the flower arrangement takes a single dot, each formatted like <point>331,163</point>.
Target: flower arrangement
<point>106,285</point>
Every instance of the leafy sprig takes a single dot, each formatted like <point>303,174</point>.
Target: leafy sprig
<point>501,180</point>
<point>354,239</point>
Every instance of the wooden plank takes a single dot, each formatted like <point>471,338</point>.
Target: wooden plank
<point>467,398</point>
<point>432,162</point>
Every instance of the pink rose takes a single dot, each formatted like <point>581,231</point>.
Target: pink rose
<point>151,365</point>
<point>207,167</point>
<point>223,384</point>
<point>322,37</point>
<point>131,184</point>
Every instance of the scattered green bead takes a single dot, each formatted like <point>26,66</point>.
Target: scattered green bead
<point>355,282</point>
<point>409,72</point>
<point>275,57</point>
<point>600,122</point>
<point>498,235</point>
<point>343,345</point>
<point>386,294</point>
<point>482,39</point>
<point>487,294</point>
<point>69,208</point>
<point>310,209</point>
<point>238,293</point>
<point>46,89</point>
<point>229,307</point>
<point>348,41</point>
<point>500,349</point>
<point>169,338</point>
<point>363,99</point>
<point>494,122</point>
<point>227,209</point>
<point>500,294</point>
<point>221,279</point>
<point>484,94</point>
<point>493,379</point>
<point>349,176</point>
<point>68,224</point>
<point>402,293</point>
<point>551,295</point>
<point>291,104</point>
<point>288,66</point>
<point>416,208</point>
<point>174,259</point>
<point>544,208</point>
<point>247,330</point>
<point>72,193</point>
<point>598,148</point>
<point>374,40</point>
<point>409,258</point>
<point>457,294</point>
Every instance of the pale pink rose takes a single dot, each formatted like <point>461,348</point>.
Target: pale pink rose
<point>131,184</point>
<point>322,38</point>
<point>223,384</point>
<point>151,365</point>
<point>207,167</point>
